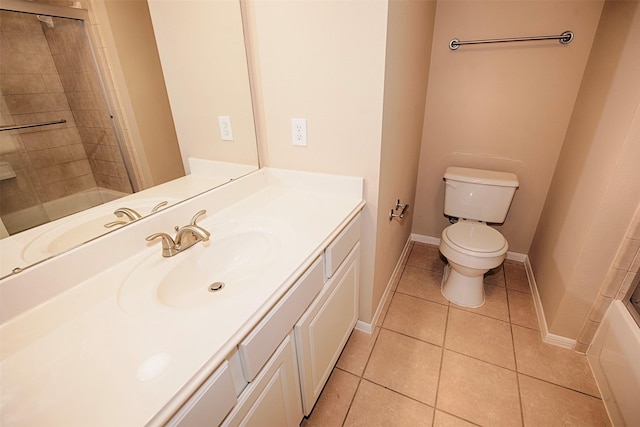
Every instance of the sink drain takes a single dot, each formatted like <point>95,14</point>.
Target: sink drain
<point>216,286</point>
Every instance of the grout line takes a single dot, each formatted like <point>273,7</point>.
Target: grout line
<point>561,386</point>
<point>515,358</point>
<point>346,415</point>
<point>458,417</point>
<point>444,340</point>
<point>400,394</point>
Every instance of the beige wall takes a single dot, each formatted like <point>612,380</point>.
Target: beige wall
<point>503,107</point>
<point>130,27</point>
<point>595,189</point>
<point>323,61</point>
<point>357,71</point>
<point>409,33</point>
<point>201,47</point>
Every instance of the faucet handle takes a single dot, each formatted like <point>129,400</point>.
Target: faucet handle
<point>157,207</point>
<point>128,212</point>
<point>197,216</point>
<point>168,244</point>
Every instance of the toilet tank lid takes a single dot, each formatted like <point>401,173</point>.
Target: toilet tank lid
<point>481,176</point>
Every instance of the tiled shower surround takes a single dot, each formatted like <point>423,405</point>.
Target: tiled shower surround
<point>618,284</point>
<point>47,74</point>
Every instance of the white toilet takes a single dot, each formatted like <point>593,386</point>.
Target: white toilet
<point>474,198</point>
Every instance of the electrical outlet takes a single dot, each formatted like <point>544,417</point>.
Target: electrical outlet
<point>226,132</point>
<point>299,132</point>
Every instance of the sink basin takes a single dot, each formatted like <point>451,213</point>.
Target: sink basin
<point>66,233</point>
<point>236,255</point>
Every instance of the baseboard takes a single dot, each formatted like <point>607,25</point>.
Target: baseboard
<point>397,271</point>
<point>547,336</point>
<point>425,239</point>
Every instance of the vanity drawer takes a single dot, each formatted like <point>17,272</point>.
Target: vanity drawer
<point>211,403</point>
<point>337,251</point>
<point>256,349</point>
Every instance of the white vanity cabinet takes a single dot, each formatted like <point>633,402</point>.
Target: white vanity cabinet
<point>288,356</point>
<point>324,329</point>
<point>322,332</point>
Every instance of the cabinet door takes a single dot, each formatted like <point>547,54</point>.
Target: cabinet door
<point>273,398</point>
<point>322,332</point>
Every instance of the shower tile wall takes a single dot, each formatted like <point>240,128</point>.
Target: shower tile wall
<point>38,66</point>
<point>617,285</point>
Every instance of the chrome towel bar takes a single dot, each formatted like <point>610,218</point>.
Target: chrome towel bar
<point>564,38</point>
<point>35,125</point>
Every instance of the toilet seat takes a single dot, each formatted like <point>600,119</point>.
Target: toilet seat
<point>475,238</point>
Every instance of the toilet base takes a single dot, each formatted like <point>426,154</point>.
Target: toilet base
<point>462,290</point>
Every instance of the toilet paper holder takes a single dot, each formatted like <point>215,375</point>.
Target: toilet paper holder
<point>394,212</point>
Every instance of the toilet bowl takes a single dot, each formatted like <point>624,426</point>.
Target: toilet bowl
<point>472,248</point>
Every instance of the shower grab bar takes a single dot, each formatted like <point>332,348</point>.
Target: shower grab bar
<point>35,125</point>
<point>564,38</point>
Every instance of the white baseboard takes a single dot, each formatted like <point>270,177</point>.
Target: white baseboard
<point>397,271</point>
<point>425,239</point>
<point>547,336</point>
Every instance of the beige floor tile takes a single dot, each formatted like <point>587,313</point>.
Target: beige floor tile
<point>405,365</point>
<point>417,318</point>
<point>422,283</point>
<point>516,276</point>
<point>334,401</point>
<point>427,257</point>
<point>495,276</point>
<point>478,391</point>
<point>495,303</point>
<point>442,419</point>
<point>356,353</point>
<point>378,406</point>
<point>481,337</point>
<point>545,404</point>
<point>522,309</point>
<point>552,363</point>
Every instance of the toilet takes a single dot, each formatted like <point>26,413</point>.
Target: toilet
<point>473,198</point>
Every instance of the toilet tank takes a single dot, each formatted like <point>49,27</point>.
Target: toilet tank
<point>478,194</point>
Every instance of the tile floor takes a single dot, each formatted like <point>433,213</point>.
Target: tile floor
<point>431,363</point>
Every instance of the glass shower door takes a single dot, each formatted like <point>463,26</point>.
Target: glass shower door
<point>59,152</point>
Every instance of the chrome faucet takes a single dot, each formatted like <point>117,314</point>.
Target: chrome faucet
<point>131,214</point>
<point>120,212</point>
<point>186,237</point>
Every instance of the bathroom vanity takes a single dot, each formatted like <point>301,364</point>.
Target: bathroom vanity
<point>112,333</point>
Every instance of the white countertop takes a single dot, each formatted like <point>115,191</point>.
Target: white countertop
<point>82,357</point>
